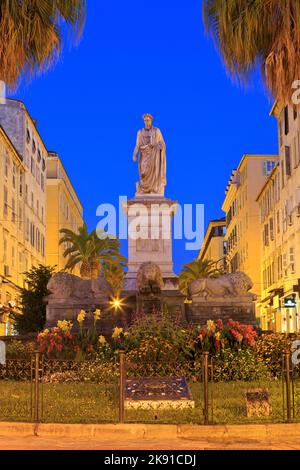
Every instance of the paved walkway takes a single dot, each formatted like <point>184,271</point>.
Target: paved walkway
<point>59,443</point>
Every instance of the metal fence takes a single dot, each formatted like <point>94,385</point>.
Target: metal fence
<point>38,389</point>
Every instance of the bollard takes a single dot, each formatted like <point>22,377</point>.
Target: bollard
<point>205,357</point>
<point>122,387</point>
<point>36,387</point>
<point>287,370</point>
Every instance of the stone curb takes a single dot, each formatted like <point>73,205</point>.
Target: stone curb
<point>261,432</point>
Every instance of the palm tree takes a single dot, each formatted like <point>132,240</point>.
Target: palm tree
<point>88,249</point>
<point>31,34</point>
<point>114,274</point>
<point>197,269</point>
<point>252,32</point>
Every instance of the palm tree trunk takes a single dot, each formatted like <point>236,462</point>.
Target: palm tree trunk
<point>95,268</point>
<point>85,270</point>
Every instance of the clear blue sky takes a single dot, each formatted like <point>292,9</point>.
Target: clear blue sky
<point>137,57</point>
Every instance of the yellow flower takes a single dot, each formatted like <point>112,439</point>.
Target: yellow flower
<point>81,316</point>
<point>44,333</point>
<point>117,333</point>
<point>102,340</point>
<point>97,314</point>
<point>218,335</point>
<point>211,325</point>
<point>65,325</point>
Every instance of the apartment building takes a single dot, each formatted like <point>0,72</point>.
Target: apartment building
<point>12,235</point>
<point>243,230</point>
<point>272,264</point>
<point>282,290</point>
<point>23,133</point>
<point>64,210</point>
<point>214,246</point>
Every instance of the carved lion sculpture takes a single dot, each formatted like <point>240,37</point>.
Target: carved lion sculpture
<point>66,286</point>
<point>149,279</point>
<point>230,285</point>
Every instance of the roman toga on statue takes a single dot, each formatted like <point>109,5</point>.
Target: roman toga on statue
<point>151,148</point>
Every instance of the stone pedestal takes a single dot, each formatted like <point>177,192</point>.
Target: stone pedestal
<point>150,236</point>
<point>150,240</point>
<point>241,309</point>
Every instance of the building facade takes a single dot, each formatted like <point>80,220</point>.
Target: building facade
<point>12,233</point>
<point>64,210</point>
<point>25,246</point>
<point>22,131</point>
<point>214,246</point>
<point>242,216</point>
<point>282,290</point>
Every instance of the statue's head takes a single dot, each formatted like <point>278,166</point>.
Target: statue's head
<point>148,120</point>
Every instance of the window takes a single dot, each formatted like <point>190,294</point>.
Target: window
<point>26,194</point>
<point>13,210</point>
<point>32,166</point>
<point>266,235</point>
<point>268,166</point>
<point>287,161</point>
<point>13,257</point>
<point>20,268</point>
<point>33,146</point>
<point>286,120</point>
<point>28,138</point>
<point>6,166</point>
<point>280,134</point>
<point>14,175</point>
<point>32,201</point>
<point>21,185</point>
<point>5,202</point>
<point>38,175</point>
<point>271,229</point>
<point>39,156</point>
<point>4,247</point>
<point>32,234</point>
<point>27,230</point>
<point>278,221</point>
<point>292,260</point>
<point>43,245</point>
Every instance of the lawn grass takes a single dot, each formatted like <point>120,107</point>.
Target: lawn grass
<point>98,403</point>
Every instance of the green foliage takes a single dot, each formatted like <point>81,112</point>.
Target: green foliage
<point>31,34</point>
<point>195,270</point>
<point>160,337</point>
<point>270,348</point>
<point>244,365</point>
<point>19,349</point>
<point>259,32</point>
<point>114,273</point>
<point>31,317</point>
<point>89,249</point>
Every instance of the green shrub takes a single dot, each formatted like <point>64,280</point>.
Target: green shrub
<point>270,347</point>
<point>19,349</point>
<point>243,365</point>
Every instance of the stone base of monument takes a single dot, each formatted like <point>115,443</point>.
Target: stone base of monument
<point>158,393</point>
<point>241,309</point>
<point>169,299</point>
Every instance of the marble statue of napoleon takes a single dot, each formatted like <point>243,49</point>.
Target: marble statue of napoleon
<point>151,148</point>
